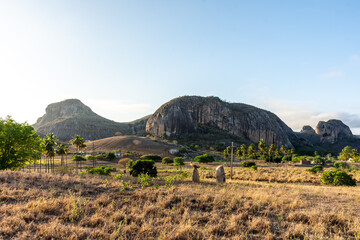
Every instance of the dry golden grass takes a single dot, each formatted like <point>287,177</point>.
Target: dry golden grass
<point>46,206</point>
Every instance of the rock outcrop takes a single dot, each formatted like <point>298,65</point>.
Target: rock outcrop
<point>193,114</point>
<point>71,116</point>
<point>308,130</point>
<point>332,131</point>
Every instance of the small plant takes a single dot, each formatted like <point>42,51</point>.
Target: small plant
<point>248,163</point>
<point>78,210</point>
<point>153,157</point>
<point>337,178</point>
<point>205,158</point>
<point>342,165</point>
<point>141,167</point>
<point>169,182</point>
<point>119,177</point>
<point>100,170</point>
<point>157,186</point>
<point>316,169</point>
<point>254,167</point>
<point>167,160</point>
<point>106,182</point>
<point>183,175</point>
<point>144,180</point>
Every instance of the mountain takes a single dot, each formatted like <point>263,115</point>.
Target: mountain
<point>71,116</point>
<point>195,115</point>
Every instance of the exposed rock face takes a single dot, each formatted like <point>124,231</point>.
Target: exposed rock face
<point>70,117</point>
<point>190,114</point>
<point>332,131</point>
<point>308,130</point>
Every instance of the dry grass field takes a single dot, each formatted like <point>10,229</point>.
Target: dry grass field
<point>61,206</point>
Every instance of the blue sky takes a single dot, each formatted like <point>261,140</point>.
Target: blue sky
<point>298,59</point>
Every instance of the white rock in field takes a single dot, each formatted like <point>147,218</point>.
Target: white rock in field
<point>220,174</point>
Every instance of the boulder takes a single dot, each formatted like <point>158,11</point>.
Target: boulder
<point>332,131</point>
<point>308,130</point>
<point>195,176</point>
<point>220,174</point>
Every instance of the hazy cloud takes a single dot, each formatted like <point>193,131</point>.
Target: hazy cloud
<point>355,58</point>
<point>334,74</point>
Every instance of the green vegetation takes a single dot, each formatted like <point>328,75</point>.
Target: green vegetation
<point>19,144</point>
<point>248,163</point>
<point>316,169</point>
<point>205,158</point>
<point>179,161</point>
<point>144,180</point>
<point>141,167</point>
<point>337,178</point>
<point>167,160</point>
<point>100,170</point>
<point>153,157</point>
<point>342,165</point>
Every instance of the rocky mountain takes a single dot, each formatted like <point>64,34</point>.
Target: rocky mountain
<point>333,131</point>
<point>200,115</point>
<point>71,116</point>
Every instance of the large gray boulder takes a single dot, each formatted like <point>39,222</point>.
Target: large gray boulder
<point>220,174</point>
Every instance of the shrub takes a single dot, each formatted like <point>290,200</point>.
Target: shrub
<point>124,161</point>
<point>254,167</point>
<point>182,149</point>
<point>319,160</point>
<point>101,156</point>
<point>179,161</point>
<point>337,178</point>
<point>144,179</point>
<point>110,156</point>
<point>141,167</point>
<point>153,157</point>
<point>78,158</point>
<point>341,165</point>
<point>205,158</point>
<point>316,169</point>
<point>90,157</point>
<point>248,164</point>
<point>167,160</point>
<point>100,170</point>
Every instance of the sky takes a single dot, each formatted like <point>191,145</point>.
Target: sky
<point>124,59</point>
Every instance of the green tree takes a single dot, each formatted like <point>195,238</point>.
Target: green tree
<point>49,143</point>
<point>243,150</point>
<point>346,153</point>
<point>227,152</point>
<point>179,161</point>
<point>354,153</point>
<point>79,143</point>
<point>272,150</point>
<point>19,144</point>
<point>262,146</point>
<point>61,150</point>
<point>238,152</point>
<point>252,151</point>
<point>283,150</point>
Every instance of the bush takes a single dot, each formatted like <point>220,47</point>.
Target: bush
<point>142,167</point>
<point>205,158</point>
<point>167,160</point>
<point>179,161</point>
<point>110,156</point>
<point>124,161</point>
<point>254,167</point>
<point>341,165</point>
<point>78,158</point>
<point>90,157</point>
<point>182,149</point>
<point>286,158</point>
<point>316,169</point>
<point>337,178</point>
<point>319,160</point>
<point>101,156</point>
<point>153,157</point>
<point>100,170</point>
<point>248,164</point>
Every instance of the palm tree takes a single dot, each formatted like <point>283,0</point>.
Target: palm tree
<point>62,149</point>
<point>49,143</point>
<point>79,143</point>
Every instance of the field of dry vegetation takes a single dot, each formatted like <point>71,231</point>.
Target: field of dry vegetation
<point>62,206</point>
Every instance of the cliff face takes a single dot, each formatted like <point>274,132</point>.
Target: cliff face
<point>70,117</point>
<point>332,131</point>
<point>191,113</point>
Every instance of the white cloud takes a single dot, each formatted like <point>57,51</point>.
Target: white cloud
<point>334,74</point>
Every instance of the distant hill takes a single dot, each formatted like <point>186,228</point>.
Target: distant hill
<point>71,116</point>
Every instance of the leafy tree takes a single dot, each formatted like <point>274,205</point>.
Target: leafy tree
<point>167,160</point>
<point>238,153</point>
<point>262,146</point>
<point>272,150</point>
<point>341,165</point>
<point>346,153</point>
<point>154,157</point>
<point>243,149</point>
<point>79,143</point>
<point>283,150</point>
<point>227,152</point>
<point>252,151</point>
<point>110,156</point>
<point>19,144</point>
<point>61,150</point>
<point>142,167</point>
<point>205,158</point>
<point>179,161</point>
<point>355,153</point>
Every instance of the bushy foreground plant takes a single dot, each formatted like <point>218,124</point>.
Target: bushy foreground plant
<point>248,164</point>
<point>316,169</point>
<point>205,158</point>
<point>144,180</point>
<point>142,167</point>
<point>341,165</point>
<point>167,160</point>
<point>337,178</point>
<point>153,157</point>
<point>100,170</point>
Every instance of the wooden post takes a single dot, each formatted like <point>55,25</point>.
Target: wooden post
<point>232,156</point>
